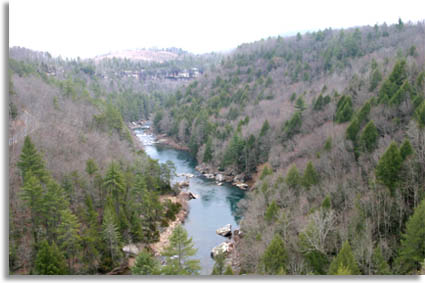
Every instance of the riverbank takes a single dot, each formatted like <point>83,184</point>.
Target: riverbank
<point>164,236</point>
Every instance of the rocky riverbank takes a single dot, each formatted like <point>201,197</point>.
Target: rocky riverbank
<point>228,176</point>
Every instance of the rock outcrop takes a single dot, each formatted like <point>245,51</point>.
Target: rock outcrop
<point>225,231</point>
<point>225,248</point>
<point>131,249</point>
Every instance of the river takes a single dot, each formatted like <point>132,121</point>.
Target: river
<point>215,207</point>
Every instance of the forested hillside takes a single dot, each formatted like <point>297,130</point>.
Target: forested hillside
<point>332,122</point>
<point>80,187</point>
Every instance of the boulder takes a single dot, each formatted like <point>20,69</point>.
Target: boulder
<point>182,184</point>
<point>219,178</point>
<point>131,249</point>
<point>209,176</point>
<point>193,196</point>
<point>241,186</point>
<point>225,231</point>
<point>219,184</point>
<point>225,247</point>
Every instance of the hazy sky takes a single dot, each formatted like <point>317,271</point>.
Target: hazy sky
<point>87,28</point>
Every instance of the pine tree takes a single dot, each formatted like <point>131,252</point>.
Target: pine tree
<point>111,238</point>
<point>388,169</point>
<point>68,236</point>
<point>54,201</point>
<point>208,155</point>
<point>293,178</point>
<point>412,251</point>
<point>91,167</point>
<point>310,175</point>
<point>406,149</point>
<point>344,260</point>
<point>31,160</point>
<point>300,104</point>
<point>218,268</point>
<point>369,137</point>
<point>420,115</point>
<point>271,212</point>
<point>32,194</point>
<point>228,271</point>
<point>49,260</point>
<point>114,183</point>
<point>353,129</point>
<point>275,258</point>
<point>344,109</point>
<point>145,264</point>
<point>178,253</point>
<point>328,144</point>
<point>380,265</point>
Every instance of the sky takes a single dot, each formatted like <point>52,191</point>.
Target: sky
<point>86,28</point>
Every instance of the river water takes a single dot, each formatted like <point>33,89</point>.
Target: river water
<point>215,207</point>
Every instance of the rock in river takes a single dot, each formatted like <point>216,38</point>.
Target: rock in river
<point>225,231</point>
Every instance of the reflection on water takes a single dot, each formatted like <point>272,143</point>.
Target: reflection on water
<point>216,207</point>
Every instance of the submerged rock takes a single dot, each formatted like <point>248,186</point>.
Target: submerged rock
<point>225,231</point>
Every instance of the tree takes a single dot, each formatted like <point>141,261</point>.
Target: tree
<point>345,260</point>
<point>30,159</point>
<point>412,251</point>
<point>292,126</point>
<point>344,110</point>
<point>300,104</point>
<point>369,137</point>
<point>218,268</point>
<point>275,258</point>
<point>145,264</point>
<point>114,183</point>
<point>49,260</point>
<point>293,178</point>
<point>388,169</point>
<point>178,253</point>
<point>91,167</point>
<point>271,212</point>
<point>228,271</point>
<point>32,194</point>
<point>208,155</point>
<point>111,238</point>
<point>376,77</point>
<point>328,144</point>
<point>310,175</point>
<point>68,236</point>
<point>352,130</point>
<point>406,149</point>
<point>380,265</point>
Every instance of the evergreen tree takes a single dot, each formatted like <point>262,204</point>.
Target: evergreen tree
<point>310,175</point>
<point>31,160</point>
<point>292,126</point>
<point>380,265</point>
<point>111,238</point>
<point>91,167</point>
<point>300,104</point>
<point>68,236</point>
<point>406,149</point>
<point>275,258</point>
<point>293,178</point>
<point>271,212</point>
<point>363,114</point>
<point>376,77</point>
<point>328,144</point>
<point>266,172</point>
<point>178,254</point>
<point>420,115</point>
<point>369,137</point>
<point>49,260</point>
<point>228,271</point>
<point>344,110</point>
<point>412,251</point>
<point>352,130</point>
<point>32,194</point>
<point>345,260</point>
<point>388,169</point>
<point>208,155</point>
<point>114,183</point>
<point>145,264</point>
<point>218,268</point>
